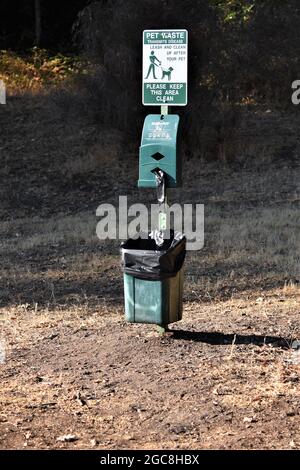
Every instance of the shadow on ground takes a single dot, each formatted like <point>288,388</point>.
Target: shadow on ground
<point>217,338</point>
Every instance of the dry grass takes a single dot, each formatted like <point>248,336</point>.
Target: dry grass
<point>44,233</point>
<point>255,245</point>
<point>266,237</point>
<point>36,71</point>
<point>238,253</point>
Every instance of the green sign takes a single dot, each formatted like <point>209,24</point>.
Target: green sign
<point>165,59</point>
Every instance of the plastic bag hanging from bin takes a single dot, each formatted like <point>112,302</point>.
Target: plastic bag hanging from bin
<point>141,257</point>
<point>158,235</point>
<point>160,185</point>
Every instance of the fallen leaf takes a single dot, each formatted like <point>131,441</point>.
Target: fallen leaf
<point>67,438</point>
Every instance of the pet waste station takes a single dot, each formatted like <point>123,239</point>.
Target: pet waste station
<point>153,263</point>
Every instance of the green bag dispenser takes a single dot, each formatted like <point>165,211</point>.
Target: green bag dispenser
<point>158,150</point>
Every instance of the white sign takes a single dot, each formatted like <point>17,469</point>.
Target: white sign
<point>165,61</point>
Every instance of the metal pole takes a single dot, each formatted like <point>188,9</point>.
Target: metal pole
<point>163,328</point>
<point>164,110</point>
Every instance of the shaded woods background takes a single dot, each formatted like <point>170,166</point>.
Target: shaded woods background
<point>242,54</point>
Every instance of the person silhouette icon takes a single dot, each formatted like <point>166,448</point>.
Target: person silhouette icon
<point>154,62</point>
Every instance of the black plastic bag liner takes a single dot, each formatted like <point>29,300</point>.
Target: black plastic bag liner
<point>143,259</point>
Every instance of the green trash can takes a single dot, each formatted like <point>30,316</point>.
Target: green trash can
<point>153,280</point>
<point>158,302</point>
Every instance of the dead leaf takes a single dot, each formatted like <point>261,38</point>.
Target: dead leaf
<point>67,438</point>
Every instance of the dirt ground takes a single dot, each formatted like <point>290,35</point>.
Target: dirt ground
<point>226,377</point>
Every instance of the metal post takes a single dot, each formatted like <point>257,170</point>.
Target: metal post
<point>163,328</point>
<point>164,110</point>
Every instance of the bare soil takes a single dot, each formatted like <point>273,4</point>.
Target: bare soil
<point>226,377</point>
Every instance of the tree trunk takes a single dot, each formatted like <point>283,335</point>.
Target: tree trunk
<point>38,28</point>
